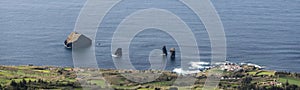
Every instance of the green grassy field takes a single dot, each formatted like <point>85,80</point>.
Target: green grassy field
<point>49,75</point>
<point>66,78</point>
<point>269,73</point>
<point>291,80</point>
<point>262,72</point>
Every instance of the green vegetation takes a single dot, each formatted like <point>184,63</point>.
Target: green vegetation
<point>31,77</point>
<point>261,72</point>
<point>269,73</point>
<point>47,77</point>
<point>290,80</point>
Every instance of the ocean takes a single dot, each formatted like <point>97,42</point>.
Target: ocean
<point>264,32</point>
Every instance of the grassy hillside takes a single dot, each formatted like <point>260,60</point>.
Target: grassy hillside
<point>48,77</point>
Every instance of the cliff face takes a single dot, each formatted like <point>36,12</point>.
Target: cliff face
<point>73,37</point>
<point>77,40</point>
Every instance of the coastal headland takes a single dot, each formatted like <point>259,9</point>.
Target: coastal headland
<point>234,77</point>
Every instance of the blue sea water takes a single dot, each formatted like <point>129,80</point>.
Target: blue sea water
<point>264,32</point>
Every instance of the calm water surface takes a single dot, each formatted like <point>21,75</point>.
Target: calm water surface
<point>265,32</point>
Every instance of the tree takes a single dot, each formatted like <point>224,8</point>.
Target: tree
<point>287,82</point>
<point>13,83</point>
<point>246,84</point>
<point>40,81</point>
<point>246,80</point>
<point>24,82</point>
<point>29,82</point>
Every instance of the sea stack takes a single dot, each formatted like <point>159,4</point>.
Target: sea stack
<point>165,52</point>
<point>172,52</point>
<point>76,40</point>
<point>118,53</point>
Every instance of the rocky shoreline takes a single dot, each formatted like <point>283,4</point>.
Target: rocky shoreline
<point>237,77</point>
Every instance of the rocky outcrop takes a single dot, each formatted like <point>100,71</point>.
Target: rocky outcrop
<point>165,52</point>
<point>76,40</point>
<point>172,52</point>
<point>118,53</point>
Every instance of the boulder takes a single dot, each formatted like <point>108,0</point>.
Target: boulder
<point>76,40</point>
<point>165,52</point>
<point>118,53</point>
<point>172,52</point>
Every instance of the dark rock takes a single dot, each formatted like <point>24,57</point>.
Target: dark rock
<point>165,52</point>
<point>77,40</point>
<point>118,53</point>
<point>172,52</point>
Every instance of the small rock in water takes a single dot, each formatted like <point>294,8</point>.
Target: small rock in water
<point>165,52</point>
<point>172,52</point>
<point>118,53</point>
<point>76,40</point>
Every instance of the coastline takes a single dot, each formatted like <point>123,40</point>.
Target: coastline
<point>52,77</point>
